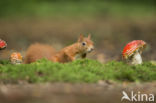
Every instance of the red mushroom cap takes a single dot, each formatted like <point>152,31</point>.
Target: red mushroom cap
<point>3,44</point>
<point>132,47</point>
<point>16,58</point>
<point>16,55</point>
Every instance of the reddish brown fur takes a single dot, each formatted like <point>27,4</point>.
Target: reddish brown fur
<point>38,51</point>
<point>67,54</point>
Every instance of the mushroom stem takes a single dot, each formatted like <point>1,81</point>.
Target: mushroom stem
<point>137,59</point>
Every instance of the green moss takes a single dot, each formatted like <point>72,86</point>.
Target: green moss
<point>89,71</point>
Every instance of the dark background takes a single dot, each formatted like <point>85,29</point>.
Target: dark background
<point>112,23</point>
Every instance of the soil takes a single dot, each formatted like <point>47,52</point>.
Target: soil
<point>102,92</point>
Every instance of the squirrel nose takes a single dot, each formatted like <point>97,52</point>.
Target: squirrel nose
<point>92,49</point>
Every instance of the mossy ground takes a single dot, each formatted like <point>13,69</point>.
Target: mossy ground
<point>79,71</point>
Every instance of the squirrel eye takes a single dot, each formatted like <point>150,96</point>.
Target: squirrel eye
<point>83,43</point>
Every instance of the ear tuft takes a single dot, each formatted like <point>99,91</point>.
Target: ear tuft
<point>89,36</point>
<point>81,37</point>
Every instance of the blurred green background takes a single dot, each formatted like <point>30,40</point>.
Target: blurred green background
<point>112,23</point>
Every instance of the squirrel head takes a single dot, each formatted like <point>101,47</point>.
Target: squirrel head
<point>86,44</point>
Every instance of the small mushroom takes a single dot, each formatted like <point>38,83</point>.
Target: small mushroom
<point>3,44</point>
<point>133,50</point>
<point>16,58</point>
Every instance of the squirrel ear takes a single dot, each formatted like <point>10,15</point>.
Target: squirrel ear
<point>89,36</point>
<point>80,38</point>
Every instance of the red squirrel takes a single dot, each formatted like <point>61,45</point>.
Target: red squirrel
<point>81,48</point>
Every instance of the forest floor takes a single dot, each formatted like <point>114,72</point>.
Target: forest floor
<point>82,81</point>
<point>102,92</point>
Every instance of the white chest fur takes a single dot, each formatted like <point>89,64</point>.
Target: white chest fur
<point>78,56</point>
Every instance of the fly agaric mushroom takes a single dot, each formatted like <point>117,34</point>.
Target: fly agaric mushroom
<point>133,50</point>
<point>3,44</point>
<point>16,58</point>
